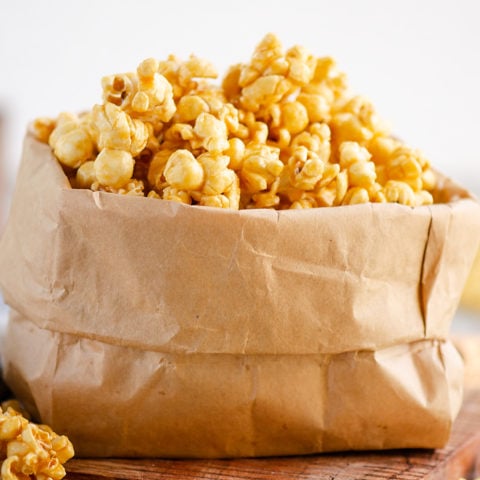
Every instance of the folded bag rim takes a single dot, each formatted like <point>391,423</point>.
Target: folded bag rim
<point>254,405</point>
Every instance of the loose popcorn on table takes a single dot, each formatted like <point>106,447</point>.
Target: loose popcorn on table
<point>280,131</point>
<point>28,450</point>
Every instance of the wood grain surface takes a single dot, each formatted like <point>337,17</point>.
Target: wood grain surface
<point>460,458</point>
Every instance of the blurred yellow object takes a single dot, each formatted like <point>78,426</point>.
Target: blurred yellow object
<point>471,292</point>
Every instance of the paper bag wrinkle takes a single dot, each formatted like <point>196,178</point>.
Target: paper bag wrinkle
<point>199,251</point>
<point>452,364</point>
<point>421,285</point>
<point>252,405</point>
<point>447,260</point>
<point>389,385</point>
<point>395,365</point>
<point>31,265</point>
<point>97,199</point>
<point>130,305</point>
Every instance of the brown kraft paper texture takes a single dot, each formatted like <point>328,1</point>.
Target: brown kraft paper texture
<point>142,327</point>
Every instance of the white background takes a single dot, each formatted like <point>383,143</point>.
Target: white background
<point>418,61</point>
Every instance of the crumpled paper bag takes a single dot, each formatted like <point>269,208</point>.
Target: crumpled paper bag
<point>150,328</point>
<point>471,293</point>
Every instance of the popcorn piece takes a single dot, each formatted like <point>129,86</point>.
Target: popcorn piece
<point>259,132</point>
<point>153,194</point>
<point>119,89</point>
<point>423,198</point>
<point>302,203</point>
<point>172,193</point>
<point>382,147</point>
<point>356,120</point>
<point>133,187</point>
<point>15,405</point>
<point>43,127</point>
<point>294,117</point>
<point>341,187</point>
<point>154,99</point>
<point>115,129</point>
<point>86,176</point>
<point>354,158</point>
<point>362,174</point>
<point>211,132</point>
<point>317,106</point>
<point>230,116</point>
<point>181,75</point>
<point>261,165</point>
<point>266,52</point>
<point>327,82</point>
<point>236,152</point>
<point>302,65</point>
<point>30,451</point>
<point>71,141</point>
<point>428,179</point>
<point>218,177</point>
<point>306,169</point>
<point>179,132</point>
<point>157,166</point>
<point>356,195</point>
<point>113,168</point>
<point>183,171</point>
<point>315,139</point>
<point>406,165</point>
<point>74,148</point>
<point>263,92</point>
<point>399,192</point>
<point>268,199</point>
<point>231,82</point>
<point>281,131</point>
<point>195,67</point>
<point>190,107</point>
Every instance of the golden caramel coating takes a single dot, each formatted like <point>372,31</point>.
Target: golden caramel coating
<point>133,187</point>
<point>220,181</point>
<point>261,166</point>
<point>356,160</point>
<point>183,171</point>
<point>186,76</point>
<point>280,131</point>
<point>317,106</point>
<point>399,192</point>
<point>306,168</point>
<point>30,451</point>
<point>153,101</point>
<point>211,133</point>
<point>236,152</point>
<point>85,176</point>
<point>190,107</point>
<point>71,141</point>
<point>113,168</point>
<point>356,195</point>
<point>119,89</point>
<point>294,117</point>
<point>115,129</point>
<point>43,128</point>
<point>15,405</point>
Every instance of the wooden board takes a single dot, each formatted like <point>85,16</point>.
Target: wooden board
<point>460,458</point>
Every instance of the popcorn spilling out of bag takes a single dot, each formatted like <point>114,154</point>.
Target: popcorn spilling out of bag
<point>281,131</point>
<point>28,450</point>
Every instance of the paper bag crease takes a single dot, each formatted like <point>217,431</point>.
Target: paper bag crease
<point>234,333</point>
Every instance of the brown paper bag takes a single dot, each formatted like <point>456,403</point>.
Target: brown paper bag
<point>142,327</point>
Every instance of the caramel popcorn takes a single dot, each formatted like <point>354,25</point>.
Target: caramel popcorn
<point>71,141</point>
<point>28,450</point>
<point>280,131</point>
